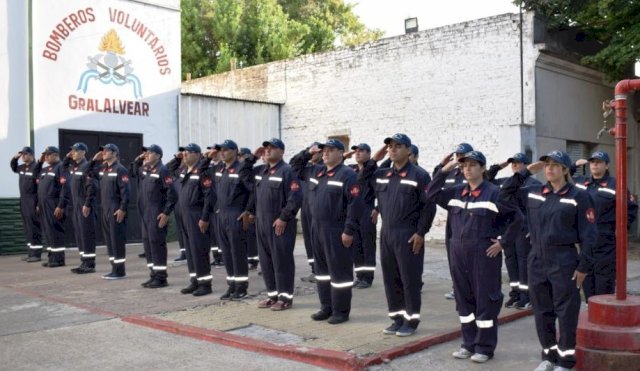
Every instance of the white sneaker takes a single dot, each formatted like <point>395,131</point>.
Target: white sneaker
<point>480,358</point>
<point>450,295</point>
<point>462,353</point>
<point>545,366</point>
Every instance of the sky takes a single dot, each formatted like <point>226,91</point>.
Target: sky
<point>389,15</point>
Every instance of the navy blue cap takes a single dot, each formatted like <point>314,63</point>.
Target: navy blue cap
<point>362,146</point>
<point>153,148</point>
<point>228,144</point>
<point>111,147</point>
<point>463,148</point>
<point>79,147</point>
<point>398,138</point>
<point>599,155</point>
<point>191,147</point>
<point>244,151</point>
<point>27,149</point>
<point>274,142</point>
<point>51,149</point>
<point>558,156</point>
<point>474,155</point>
<point>414,150</point>
<point>332,143</point>
<point>519,157</point>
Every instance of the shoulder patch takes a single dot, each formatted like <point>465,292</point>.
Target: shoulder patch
<point>355,190</point>
<point>591,215</point>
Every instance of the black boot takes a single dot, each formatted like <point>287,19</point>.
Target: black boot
<point>193,285</point>
<point>151,278</point>
<point>57,260</point>
<point>204,288</point>
<point>89,267</point>
<point>77,269</point>
<point>157,283</point>
<point>230,291</point>
<point>181,257</point>
<point>240,292</point>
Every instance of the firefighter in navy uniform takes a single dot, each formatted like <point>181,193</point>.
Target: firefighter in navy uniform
<point>84,190</point>
<point>336,205</point>
<point>252,244</point>
<point>194,211</point>
<point>305,219</point>
<point>159,198</point>
<point>275,202</point>
<point>406,218</point>
<point>602,189</point>
<point>477,216</point>
<point>364,241</point>
<point>135,167</point>
<point>27,182</point>
<point>53,197</point>
<point>114,200</point>
<point>515,256</point>
<point>233,184</point>
<point>175,168</point>
<point>559,215</point>
<point>216,252</point>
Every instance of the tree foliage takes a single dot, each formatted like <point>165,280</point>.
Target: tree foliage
<point>616,23</point>
<point>220,34</point>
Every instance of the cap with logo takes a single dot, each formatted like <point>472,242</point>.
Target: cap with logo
<point>519,157</point>
<point>463,148</point>
<point>275,142</point>
<point>227,144</point>
<point>558,156</point>
<point>599,155</point>
<point>111,147</point>
<point>153,148</point>
<point>474,155</point>
<point>191,147</point>
<point>332,143</point>
<point>79,147</point>
<point>399,138</point>
<point>362,146</point>
<point>51,149</point>
<point>26,149</point>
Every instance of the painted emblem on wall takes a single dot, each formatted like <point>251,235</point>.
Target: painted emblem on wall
<point>111,67</point>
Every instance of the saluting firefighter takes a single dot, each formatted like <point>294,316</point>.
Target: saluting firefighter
<point>406,218</point>
<point>159,198</point>
<point>364,241</point>
<point>84,189</point>
<point>194,210</point>
<point>515,256</point>
<point>175,167</point>
<point>602,189</point>
<point>336,204</point>
<point>114,200</point>
<point>53,197</point>
<point>560,215</point>
<point>216,253</point>
<point>275,203</point>
<point>28,185</point>
<point>252,244</point>
<point>477,216</point>
<point>233,184</point>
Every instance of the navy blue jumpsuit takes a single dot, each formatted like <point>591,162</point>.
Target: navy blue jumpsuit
<point>557,222</point>
<point>335,206</point>
<point>53,191</point>
<point>405,211</point>
<point>364,241</point>
<point>277,195</point>
<point>175,169</point>
<point>476,218</point>
<point>27,183</point>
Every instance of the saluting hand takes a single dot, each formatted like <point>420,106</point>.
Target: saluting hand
<point>579,278</point>
<point>449,166</point>
<point>204,226</point>
<point>259,152</point>
<point>119,214</point>
<point>315,149</point>
<point>279,226</point>
<point>535,167</point>
<point>347,155</point>
<point>17,156</point>
<point>582,162</point>
<point>418,243</point>
<point>69,154</point>
<point>163,219</point>
<point>446,159</point>
<point>347,240</point>
<point>98,156</point>
<point>379,155</point>
<point>494,249</point>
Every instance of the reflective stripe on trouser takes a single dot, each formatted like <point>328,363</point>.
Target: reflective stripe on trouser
<point>180,230</point>
<point>232,241</point>
<point>332,260</point>
<point>477,284</point>
<point>364,247</point>
<point>554,296</point>
<point>157,237</point>
<point>115,237</point>
<point>402,273</point>
<point>276,256</point>
<point>252,244</point>
<point>305,222</point>
<point>53,230</point>
<point>515,258</point>
<point>196,243</point>
<point>31,224</point>
<point>85,232</point>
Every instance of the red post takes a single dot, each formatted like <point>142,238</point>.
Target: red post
<point>620,131</point>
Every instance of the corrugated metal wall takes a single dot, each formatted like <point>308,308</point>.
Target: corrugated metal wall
<point>207,120</point>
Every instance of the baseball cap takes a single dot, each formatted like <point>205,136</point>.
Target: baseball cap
<point>332,143</point>
<point>362,146</point>
<point>228,144</point>
<point>51,149</point>
<point>244,151</point>
<point>191,147</point>
<point>27,149</point>
<point>414,150</point>
<point>519,157</point>
<point>274,142</point>
<point>599,155</point>
<point>558,156</point>
<point>474,155</point>
<point>153,148</point>
<point>79,147</point>
<point>398,138</point>
<point>111,147</point>
<point>463,148</point>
